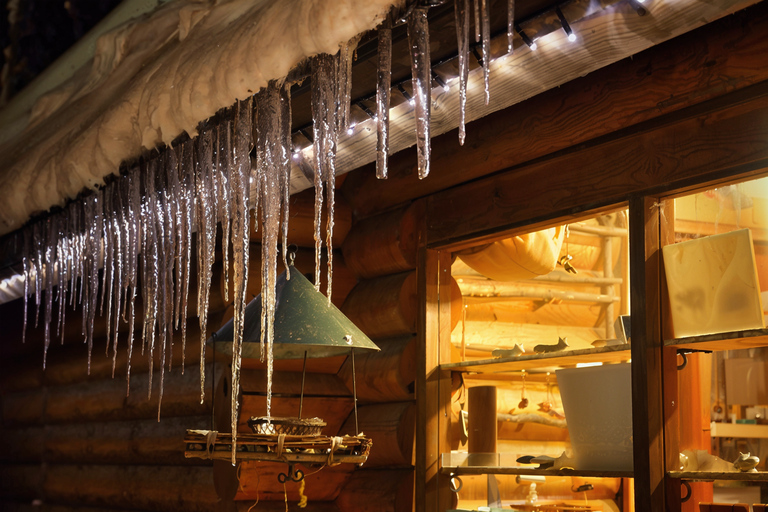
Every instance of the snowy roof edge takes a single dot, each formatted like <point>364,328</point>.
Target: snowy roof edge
<point>155,78</point>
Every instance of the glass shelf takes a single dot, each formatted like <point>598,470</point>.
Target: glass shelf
<point>750,338</point>
<point>566,358</point>
<point>462,463</point>
<point>709,476</point>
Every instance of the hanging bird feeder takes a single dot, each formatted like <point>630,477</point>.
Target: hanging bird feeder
<point>306,325</point>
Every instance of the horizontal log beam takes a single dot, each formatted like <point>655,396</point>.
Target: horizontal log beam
<point>68,363</point>
<point>391,427</point>
<point>708,143</point>
<point>386,243</point>
<point>160,488</point>
<point>384,376</point>
<point>142,442</point>
<point>106,400</point>
<point>377,491</point>
<point>496,290</point>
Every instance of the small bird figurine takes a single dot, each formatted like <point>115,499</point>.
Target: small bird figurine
<point>562,344</point>
<point>746,463</point>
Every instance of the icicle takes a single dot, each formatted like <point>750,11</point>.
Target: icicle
<point>50,260</point>
<point>273,166</point>
<point>63,259</point>
<point>152,240</point>
<point>134,236</point>
<point>240,186</point>
<point>164,258</point>
<point>108,248</point>
<point>418,40</point>
<point>93,214</point>
<point>39,268</point>
<point>325,137</point>
<point>224,196</point>
<point>206,238</point>
<point>476,10</point>
<point>383,86</point>
<point>462,37</point>
<point>486,30</point>
<point>187,161</point>
<point>27,265</point>
<point>285,175</point>
<point>344,83</point>
<point>510,25</point>
<point>118,221</point>
<point>171,201</point>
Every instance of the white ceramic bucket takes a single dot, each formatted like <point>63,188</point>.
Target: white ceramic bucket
<point>598,408</point>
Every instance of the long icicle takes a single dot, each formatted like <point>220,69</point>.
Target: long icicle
<point>188,186</point>
<point>152,267</point>
<point>223,134</point>
<point>50,260</point>
<point>134,209</point>
<point>461,8</point>
<point>285,175</point>
<point>118,221</point>
<point>486,45</point>
<point>383,86</point>
<point>206,239</point>
<point>269,145</point>
<point>418,41</point>
<point>240,183</point>
<point>108,249</point>
<point>27,264</point>
<point>324,130</point>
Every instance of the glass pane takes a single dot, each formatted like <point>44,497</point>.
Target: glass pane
<point>534,307</point>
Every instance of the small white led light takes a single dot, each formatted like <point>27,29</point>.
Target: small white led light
<point>351,129</point>
<point>572,37</point>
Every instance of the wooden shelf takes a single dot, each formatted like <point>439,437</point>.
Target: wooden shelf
<point>723,341</point>
<point>517,470</point>
<point>708,476</point>
<point>566,358</point>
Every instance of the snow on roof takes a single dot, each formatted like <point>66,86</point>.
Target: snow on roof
<point>155,78</point>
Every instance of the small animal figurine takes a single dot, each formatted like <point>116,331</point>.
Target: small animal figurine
<point>562,344</point>
<point>509,352</point>
<point>746,463</point>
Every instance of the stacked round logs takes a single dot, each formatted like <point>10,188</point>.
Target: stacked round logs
<point>73,439</point>
<point>382,251</point>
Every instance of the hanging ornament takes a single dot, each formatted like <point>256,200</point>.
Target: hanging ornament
<point>523,401</point>
<point>565,259</point>
<point>546,406</point>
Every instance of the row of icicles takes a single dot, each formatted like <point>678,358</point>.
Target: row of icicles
<point>139,228</point>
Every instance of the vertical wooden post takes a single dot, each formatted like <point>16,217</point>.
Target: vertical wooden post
<point>483,423</point>
<point>433,390</point>
<point>647,367</point>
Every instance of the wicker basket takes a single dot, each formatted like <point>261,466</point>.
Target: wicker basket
<point>288,426</point>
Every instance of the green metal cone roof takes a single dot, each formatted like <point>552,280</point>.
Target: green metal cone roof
<point>304,321</point>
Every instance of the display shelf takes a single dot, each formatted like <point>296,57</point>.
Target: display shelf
<point>519,470</point>
<point>736,340</point>
<point>610,354</point>
<point>742,430</point>
<point>462,463</point>
<point>709,476</point>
